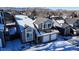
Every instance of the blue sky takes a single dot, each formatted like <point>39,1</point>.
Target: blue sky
<point>64,8</point>
<point>55,8</point>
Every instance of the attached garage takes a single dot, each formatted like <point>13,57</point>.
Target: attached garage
<point>47,37</point>
<point>53,36</point>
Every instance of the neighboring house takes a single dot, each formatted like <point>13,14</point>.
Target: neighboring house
<point>65,29</point>
<point>60,25</point>
<point>46,31</point>
<point>74,23</point>
<point>63,25</point>
<point>70,27</point>
<point>58,21</point>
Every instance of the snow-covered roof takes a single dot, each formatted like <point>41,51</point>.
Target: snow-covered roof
<point>71,20</point>
<point>21,16</point>
<point>40,20</point>
<point>23,20</point>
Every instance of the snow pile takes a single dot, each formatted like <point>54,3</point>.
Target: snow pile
<point>23,20</point>
<point>61,43</point>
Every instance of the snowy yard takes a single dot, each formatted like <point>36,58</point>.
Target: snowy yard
<point>61,44</point>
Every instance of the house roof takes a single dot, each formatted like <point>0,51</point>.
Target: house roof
<point>40,20</point>
<point>57,18</point>
<point>64,25</point>
<point>71,20</point>
<point>24,20</point>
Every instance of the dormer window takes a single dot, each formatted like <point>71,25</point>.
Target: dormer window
<point>48,24</point>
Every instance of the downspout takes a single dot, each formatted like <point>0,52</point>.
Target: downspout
<point>36,28</point>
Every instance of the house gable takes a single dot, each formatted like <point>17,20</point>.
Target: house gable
<point>48,24</point>
<point>45,25</point>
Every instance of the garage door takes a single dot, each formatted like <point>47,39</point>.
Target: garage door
<point>46,38</point>
<point>53,36</point>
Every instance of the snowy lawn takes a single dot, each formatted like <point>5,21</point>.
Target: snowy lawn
<point>61,44</point>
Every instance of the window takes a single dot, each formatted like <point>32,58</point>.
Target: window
<point>48,25</point>
<point>28,34</point>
